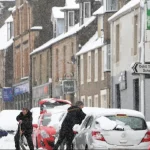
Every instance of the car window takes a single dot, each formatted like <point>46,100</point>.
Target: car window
<point>85,123</point>
<point>89,123</point>
<point>134,123</point>
<point>46,119</point>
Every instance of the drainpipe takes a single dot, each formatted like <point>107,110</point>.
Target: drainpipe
<point>142,54</point>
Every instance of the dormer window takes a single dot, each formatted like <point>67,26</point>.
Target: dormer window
<point>9,30</point>
<point>87,10</point>
<point>71,18</point>
<point>111,5</point>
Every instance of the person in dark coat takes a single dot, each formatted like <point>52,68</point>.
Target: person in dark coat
<point>25,121</point>
<point>74,116</point>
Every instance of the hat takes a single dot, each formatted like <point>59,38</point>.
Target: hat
<point>79,103</point>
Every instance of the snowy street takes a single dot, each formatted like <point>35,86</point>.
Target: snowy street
<point>7,142</point>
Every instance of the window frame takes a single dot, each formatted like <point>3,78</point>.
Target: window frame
<point>90,101</point>
<point>96,97</point>
<point>73,23</point>
<point>96,65</point>
<point>107,5</point>
<point>82,69</point>
<point>89,15</point>
<point>104,93</point>
<point>89,67</point>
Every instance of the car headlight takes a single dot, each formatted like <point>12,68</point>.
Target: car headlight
<point>44,134</point>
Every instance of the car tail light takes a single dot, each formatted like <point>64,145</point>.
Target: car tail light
<point>75,132</point>
<point>97,135</point>
<point>147,137</point>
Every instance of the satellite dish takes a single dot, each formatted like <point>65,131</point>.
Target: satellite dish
<point>73,59</point>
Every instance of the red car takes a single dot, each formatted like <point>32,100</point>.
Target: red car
<point>44,132</point>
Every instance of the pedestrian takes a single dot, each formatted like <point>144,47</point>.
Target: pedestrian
<point>24,128</point>
<point>74,116</point>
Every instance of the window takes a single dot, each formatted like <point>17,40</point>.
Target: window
<point>82,69</point>
<point>90,102</point>
<point>41,69</point>
<point>136,94</point>
<point>81,13</point>
<point>118,99</point>
<point>107,58</point>
<point>64,60</point>
<point>96,65</point>
<point>71,18</point>
<point>117,43</point>
<point>34,64</point>
<point>96,104</point>
<point>9,30</point>
<point>83,100</point>
<point>89,67</point>
<point>57,63</point>
<point>102,65</point>
<point>111,5</point>
<point>87,10</point>
<point>104,99</point>
<point>48,67</point>
<point>135,34</point>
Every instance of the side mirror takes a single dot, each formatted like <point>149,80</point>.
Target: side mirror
<point>76,129</point>
<point>35,125</point>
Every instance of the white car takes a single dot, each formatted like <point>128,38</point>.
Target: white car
<point>112,129</point>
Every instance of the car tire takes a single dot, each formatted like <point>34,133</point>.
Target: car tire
<point>36,143</point>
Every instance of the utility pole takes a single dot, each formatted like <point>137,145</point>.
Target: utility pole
<point>142,53</point>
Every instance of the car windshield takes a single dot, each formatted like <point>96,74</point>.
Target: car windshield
<point>135,123</point>
<point>49,105</point>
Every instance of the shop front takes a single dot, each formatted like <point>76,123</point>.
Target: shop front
<point>40,92</point>
<point>21,95</point>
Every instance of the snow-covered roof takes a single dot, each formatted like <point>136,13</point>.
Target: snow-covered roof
<point>6,0</point>
<point>9,19</point>
<point>4,43</point>
<point>114,111</point>
<point>125,9</point>
<point>72,31</point>
<point>57,13</point>
<point>93,43</point>
<point>100,11</point>
<point>37,28</point>
<point>12,9</point>
<point>70,4</point>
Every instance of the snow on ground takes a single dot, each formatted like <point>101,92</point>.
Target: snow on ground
<point>7,142</point>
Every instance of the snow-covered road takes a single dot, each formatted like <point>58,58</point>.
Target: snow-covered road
<point>7,142</point>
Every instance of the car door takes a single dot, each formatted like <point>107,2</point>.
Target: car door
<point>79,139</point>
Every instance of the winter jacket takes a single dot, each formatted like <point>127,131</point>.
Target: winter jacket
<point>26,125</point>
<point>74,116</point>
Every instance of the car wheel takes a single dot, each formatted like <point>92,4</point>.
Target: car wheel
<point>36,143</point>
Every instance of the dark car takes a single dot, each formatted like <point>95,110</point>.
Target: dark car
<point>3,133</point>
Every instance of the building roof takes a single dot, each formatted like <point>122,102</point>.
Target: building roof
<point>100,11</point>
<point>4,43</point>
<point>9,19</point>
<point>57,13</point>
<point>72,31</point>
<point>125,9</point>
<point>93,43</point>
<point>70,4</point>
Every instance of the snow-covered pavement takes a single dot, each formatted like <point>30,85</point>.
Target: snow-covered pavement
<point>7,142</point>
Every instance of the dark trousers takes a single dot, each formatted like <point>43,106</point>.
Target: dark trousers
<point>29,140</point>
<point>68,136</point>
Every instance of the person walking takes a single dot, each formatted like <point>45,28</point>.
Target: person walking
<point>74,116</point>
<point>24,128</point>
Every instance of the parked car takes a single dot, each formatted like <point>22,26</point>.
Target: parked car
<point>8,120</point>
<point>51,103</point>
<point>98,130</point>
<point>3,133</point>
<point>44,132</point>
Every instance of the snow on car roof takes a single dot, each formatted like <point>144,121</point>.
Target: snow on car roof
<point>8,119</point>
<point>125,9</point>
<point>113,111</point>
